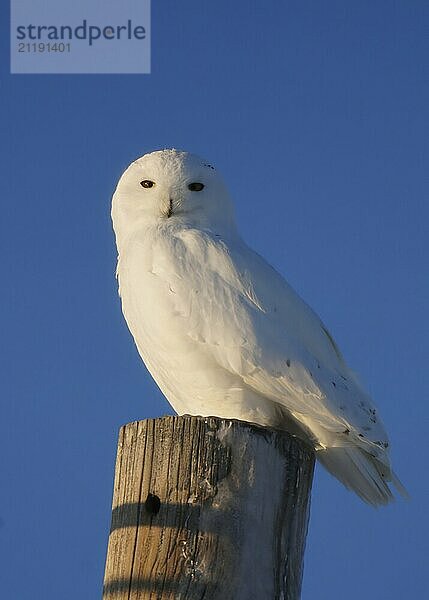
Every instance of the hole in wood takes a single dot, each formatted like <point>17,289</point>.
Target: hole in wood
<point>152,504</point>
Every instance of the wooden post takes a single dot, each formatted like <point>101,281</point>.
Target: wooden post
<point>207,508</point>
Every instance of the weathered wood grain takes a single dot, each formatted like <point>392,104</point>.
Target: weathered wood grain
<point>207,508</point>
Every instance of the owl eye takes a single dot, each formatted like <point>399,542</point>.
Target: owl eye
<point>147,183</point>
<point>196,186</point>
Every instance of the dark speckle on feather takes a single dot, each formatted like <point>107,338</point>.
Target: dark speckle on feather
<point>288,362</point>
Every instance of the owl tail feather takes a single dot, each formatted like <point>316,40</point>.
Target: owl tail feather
<point>360,472</point>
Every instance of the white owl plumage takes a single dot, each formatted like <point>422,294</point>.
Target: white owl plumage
<point>223,334</point>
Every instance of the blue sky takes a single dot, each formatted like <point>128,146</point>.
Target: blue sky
<point>316,113</point>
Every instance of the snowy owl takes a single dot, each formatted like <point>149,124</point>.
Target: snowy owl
<point>223,334</point>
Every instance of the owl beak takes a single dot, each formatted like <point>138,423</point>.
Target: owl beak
<point>167,210</point>
<point>170,209</point>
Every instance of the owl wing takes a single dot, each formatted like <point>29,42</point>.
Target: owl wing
<point>254,324</point>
